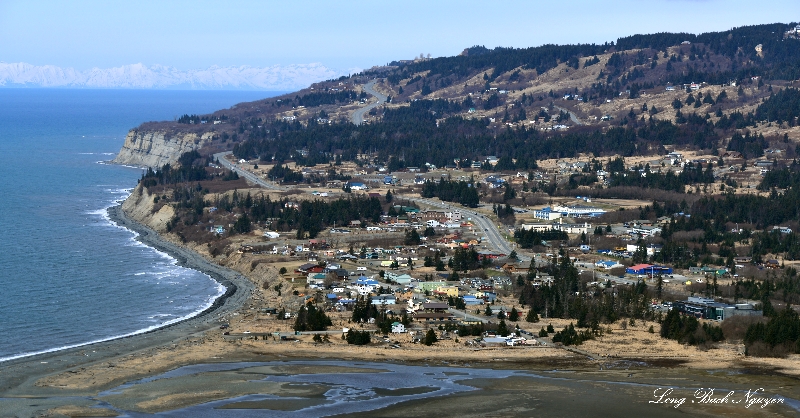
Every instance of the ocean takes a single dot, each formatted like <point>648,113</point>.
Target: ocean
<point>68,275</point>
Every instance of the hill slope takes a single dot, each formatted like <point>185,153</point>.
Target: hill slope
<point>633,97</point>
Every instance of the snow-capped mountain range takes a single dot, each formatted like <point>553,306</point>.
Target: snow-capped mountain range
<point>140,76</point>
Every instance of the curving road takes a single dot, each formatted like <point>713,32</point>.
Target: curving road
<point>220,157</point>
<point>358,116</point>
<point>572,116</point>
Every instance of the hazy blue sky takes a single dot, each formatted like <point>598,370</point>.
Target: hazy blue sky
<point>338,34</point>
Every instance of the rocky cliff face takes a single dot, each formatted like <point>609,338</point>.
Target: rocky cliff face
<point>140,206</point>
<point>156,148</point>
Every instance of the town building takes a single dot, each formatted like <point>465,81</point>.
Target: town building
<point>710,309</point>
<point>579,211</point>
<point>546,214</point>
<point>650,269</point>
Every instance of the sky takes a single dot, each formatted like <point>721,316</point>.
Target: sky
<point>340,34</point>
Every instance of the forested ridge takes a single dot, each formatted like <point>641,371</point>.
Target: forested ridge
<point>413,136</point>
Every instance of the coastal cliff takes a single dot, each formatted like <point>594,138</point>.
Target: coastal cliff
<point>156,148</point>
<point>140,205</point>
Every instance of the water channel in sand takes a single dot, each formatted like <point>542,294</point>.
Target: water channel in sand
<point>330,388</point>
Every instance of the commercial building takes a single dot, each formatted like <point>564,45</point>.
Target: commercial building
<point>650,269</point>
<point>546,214</point>
<point>710,309</point>
<point>579,211</point>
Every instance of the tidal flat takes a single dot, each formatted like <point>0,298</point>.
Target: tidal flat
<point>300,388</point>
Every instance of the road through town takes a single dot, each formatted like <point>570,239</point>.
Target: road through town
<point>490,230</point>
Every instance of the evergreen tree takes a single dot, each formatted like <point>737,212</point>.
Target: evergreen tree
<point>502,329</point>
<point>412,237</point>
<point>513,315</point>
<point>242,224</point>
<point>430,337</point>
<point>532,316</point>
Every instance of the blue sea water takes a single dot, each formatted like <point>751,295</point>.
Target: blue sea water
<point>68,275</point>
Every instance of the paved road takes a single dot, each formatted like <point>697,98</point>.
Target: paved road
<point>572,116</point>
<point>490,230</point>
<point>358,115</point>
<point>467,315</point>
<point>244,173</point>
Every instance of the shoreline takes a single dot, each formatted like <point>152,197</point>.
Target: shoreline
<point>24,371</point>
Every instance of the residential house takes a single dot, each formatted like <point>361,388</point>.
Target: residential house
<point>309,268</point>
<point>399,278</point>
<point>607,264</point>
<point>486,295</point>
<point>430,286</point>
<point>315,278</point>
<point>434,312</point>
<point>450,291</point>
<point>472,300</point>
<point>483,255</point>
<point>516,268</point>
<point>358,186</point>
<point>384,300</point>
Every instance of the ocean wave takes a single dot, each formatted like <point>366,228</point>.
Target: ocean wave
<point>206,305</point>
<point>172,270</point>
<point>121,195</point>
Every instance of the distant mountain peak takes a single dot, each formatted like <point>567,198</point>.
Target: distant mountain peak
<point>141,76</point>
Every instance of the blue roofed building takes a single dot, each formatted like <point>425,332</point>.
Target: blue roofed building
<point>546,214</point>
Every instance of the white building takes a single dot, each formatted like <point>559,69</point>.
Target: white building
<point>651,249</point>
<point>546,214</point>
<point>583,228</point>
<point>454,215</point>
<point>649,231</point>
<point>578,211</point>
